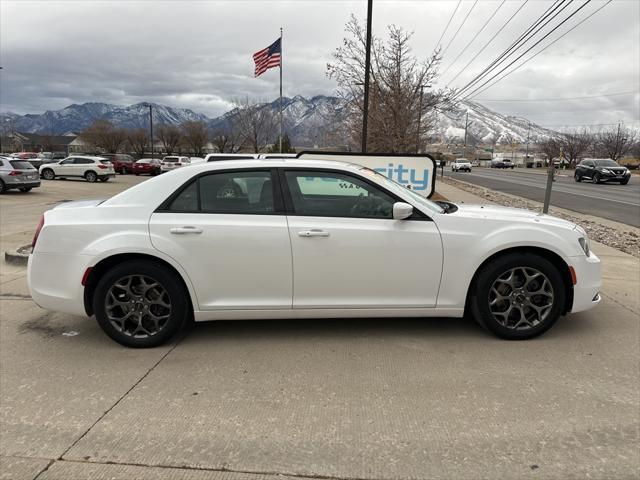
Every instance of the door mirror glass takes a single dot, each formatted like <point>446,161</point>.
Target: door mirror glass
<point>402,210</point>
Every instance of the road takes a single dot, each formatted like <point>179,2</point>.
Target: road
<point>612,201</point>
<point>304,399</point>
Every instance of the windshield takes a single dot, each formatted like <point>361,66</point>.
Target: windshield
<point>606,163</point>
<point>143,161</point>
<point>397,188</point>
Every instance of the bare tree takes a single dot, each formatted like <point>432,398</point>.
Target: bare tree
<point>138,140</point>
<point>227,139</point>
<point>550,147</point>
<point>401,101</point>
<point>256,123</point>
<point>170,136</point>
<point>616,142</point>
<point>104,135</point>
<point>575,143</point>
<point>196,136</point>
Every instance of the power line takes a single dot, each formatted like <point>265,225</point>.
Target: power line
<point>633,92</point>
<point>487,44</point>
<point>447,25</point>
<point>547,46</point>
<point>457,31</point>
<point>477,89</point>
<point>475,36</point>
<point>540,23</point>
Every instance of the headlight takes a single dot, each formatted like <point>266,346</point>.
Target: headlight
<point>584,243</point>
<point>606,170</point>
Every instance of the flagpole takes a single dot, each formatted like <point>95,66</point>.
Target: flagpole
<point>281,55</point>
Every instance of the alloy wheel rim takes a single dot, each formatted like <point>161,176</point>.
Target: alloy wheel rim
<point>521,298</point>
<point>138,306</point>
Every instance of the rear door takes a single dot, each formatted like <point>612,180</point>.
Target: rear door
<point>65,168</point>
<point>349,252</point>
<point>228,231</point>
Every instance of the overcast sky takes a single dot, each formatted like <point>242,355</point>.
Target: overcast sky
<point>197,54</point>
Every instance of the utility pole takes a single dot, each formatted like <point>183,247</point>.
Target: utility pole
<point>281,55</point>
<point>466,125</point>
<point>367,69</point>
<point>526,155</point>
<point>151,127</point>
<point>547,193</point>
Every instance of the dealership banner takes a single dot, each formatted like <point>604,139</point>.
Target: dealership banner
<point>417,171</point>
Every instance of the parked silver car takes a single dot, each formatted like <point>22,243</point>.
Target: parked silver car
<point>16,173</point>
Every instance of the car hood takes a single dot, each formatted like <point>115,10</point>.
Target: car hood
<point>496,212</point>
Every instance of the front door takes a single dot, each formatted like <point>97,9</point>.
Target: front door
<point>349,252</point>
<point>226,231</point>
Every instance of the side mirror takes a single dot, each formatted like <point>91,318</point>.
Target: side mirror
<point>402,210</point>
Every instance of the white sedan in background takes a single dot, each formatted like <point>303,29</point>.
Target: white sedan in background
<point>289,238</point>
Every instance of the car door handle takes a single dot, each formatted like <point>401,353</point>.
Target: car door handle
<point>313,233</point>
<point>186,229</point>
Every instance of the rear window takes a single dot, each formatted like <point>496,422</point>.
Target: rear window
<point>171,159</point>
<point>21,165</point>
<point>105,161</point>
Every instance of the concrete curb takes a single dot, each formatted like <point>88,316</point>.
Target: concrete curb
<point>18,256</point>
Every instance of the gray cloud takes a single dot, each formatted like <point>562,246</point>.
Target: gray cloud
<point>198,54</point>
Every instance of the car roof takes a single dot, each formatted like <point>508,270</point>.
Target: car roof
<point>91,157</point>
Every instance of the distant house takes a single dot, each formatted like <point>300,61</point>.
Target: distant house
<point>36,142</point>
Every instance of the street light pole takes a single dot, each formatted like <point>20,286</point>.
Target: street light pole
<point>151,127</point>
<point>367,68</point>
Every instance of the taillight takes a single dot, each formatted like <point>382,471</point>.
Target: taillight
<point>37,234</point>
<point>14,173</point>
<point>102,166</point>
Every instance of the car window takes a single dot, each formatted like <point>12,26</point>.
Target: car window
<point>587,163</point>
<point>105,161</point>
<point>246,192</point>
<point>606,163</point>
<point>334,194</point>
<point>21,165</point>
<point>67,161</point>
<point>82,161</point>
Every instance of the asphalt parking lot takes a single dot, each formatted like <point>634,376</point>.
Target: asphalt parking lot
<point>608,200</point>
<point>352,399</point>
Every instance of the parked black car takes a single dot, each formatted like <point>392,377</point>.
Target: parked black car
<point>602,170</point>
<point>502,164</point>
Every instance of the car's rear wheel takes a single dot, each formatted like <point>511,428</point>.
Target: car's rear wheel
<point>3,187</point>
<point>518,296</point>
<point>48,174</point>
<point>25,189</point>
<point>140,304</point>
<point>91,176</point>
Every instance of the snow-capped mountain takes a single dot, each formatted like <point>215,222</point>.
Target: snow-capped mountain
<point>76,118</point>
<point>307,121</point>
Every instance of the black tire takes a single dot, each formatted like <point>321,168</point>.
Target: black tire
<point>137,174</point>
<point>48,174</point>
<point>3,187</point>
<point>624,182</point>
<point>496,269</point>
<point>104,179</point>
<point>91,176</point>
<point>577,177</point>
<point>596,178</point>
<point>25,189</point>
<point>176,294</point>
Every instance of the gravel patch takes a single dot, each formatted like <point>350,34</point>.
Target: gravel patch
<point>624,239</point>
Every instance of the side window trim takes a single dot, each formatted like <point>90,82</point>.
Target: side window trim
<point>288,199</point>
<point>278,202</point>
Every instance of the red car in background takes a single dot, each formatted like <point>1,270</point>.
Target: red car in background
<point>122,163</point>
<point>147,166</point>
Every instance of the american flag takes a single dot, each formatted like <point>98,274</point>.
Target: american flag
<point>267,57</point>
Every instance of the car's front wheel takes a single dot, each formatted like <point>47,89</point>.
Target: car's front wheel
<point>597,178</point>
<point>577,177</point>
<point>518,296</point>
<point>624,182</point>
<point>140,304</point>
<point>25,189</point>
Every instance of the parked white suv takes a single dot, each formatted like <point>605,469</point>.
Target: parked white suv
<point>461,165</point>
<point>87,167</point>
<point>259,239</point>
<point>172,162</point>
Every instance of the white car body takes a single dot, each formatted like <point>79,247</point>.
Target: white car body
<point>461,164</point>
<point>172,162</point>
<point>258,266</point>
<point>79,166</point>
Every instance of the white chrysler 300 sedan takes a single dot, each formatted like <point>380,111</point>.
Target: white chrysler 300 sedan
<point>288,238</point>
